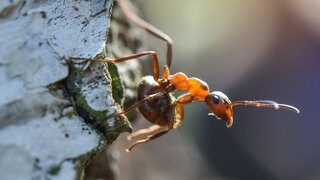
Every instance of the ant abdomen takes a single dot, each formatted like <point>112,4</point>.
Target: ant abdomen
<point>154,110</point>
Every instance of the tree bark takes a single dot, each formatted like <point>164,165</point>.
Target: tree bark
<point>54,102</point>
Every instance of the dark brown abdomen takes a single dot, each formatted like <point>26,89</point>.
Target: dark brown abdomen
<point>157,110</point>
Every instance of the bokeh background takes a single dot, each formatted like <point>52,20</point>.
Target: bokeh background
<point>266,49</point>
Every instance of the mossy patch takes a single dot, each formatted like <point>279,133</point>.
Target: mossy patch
<point>99,75</point>
<point>117,86</point>
<point>92,114</point>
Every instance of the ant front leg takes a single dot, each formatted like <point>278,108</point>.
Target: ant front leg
<point>179,110</point>
<point>178,116</point>
<point>155,61</point>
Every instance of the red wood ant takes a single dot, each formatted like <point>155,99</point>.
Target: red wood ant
<point>155,95</point>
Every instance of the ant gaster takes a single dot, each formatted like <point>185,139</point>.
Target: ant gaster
<point>155,100</point>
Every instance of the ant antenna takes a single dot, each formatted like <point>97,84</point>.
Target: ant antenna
<point>265,103</point>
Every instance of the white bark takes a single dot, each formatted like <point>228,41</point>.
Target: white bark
<point>41,134</point>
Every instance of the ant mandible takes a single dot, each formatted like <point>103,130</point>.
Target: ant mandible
<point>155,100</point>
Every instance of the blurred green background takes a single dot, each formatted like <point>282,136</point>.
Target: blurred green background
<point>266,49</point>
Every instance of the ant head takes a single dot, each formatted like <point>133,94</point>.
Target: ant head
<point>221,106</point>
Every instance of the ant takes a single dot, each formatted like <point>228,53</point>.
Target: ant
<point>155,95</point>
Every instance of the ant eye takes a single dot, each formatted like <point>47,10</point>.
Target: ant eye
<point>215,99</point>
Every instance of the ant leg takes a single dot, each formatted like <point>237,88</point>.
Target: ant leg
<point>176,117</point>
<point>185,99</point>
<point>179,115</point>
<point>148,130</point>
<point>155,62</point>
<point>159,134</point>
<point>149,28</point>
<point>179,110</point>
<point>137,104</point>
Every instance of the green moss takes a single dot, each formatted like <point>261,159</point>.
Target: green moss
<point>101,72</point>
<point>117,86</point>
<point>93,114</point>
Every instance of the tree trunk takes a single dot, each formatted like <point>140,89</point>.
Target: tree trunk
<point>54,102</point>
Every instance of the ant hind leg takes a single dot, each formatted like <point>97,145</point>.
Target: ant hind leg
<point>169,127</point>
<point>148,130</point>
<point>150,138</point>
